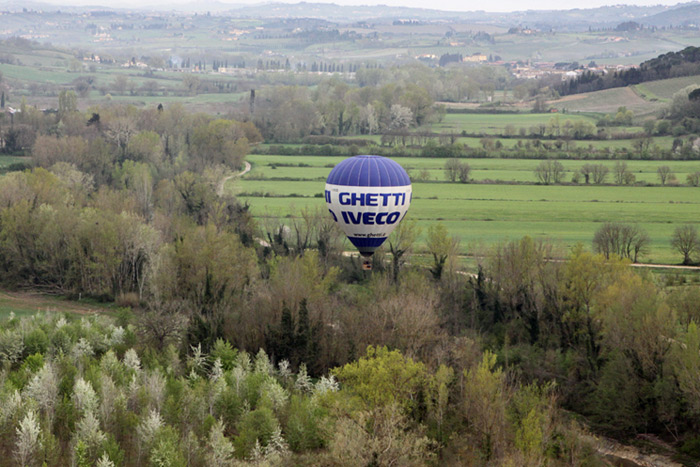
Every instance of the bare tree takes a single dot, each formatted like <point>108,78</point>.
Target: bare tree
<point>687,241</point>
<point>694,178</point>
<point>400,244</point>
<point>163,323</point>
<point>626,241</point>
<point>548,172</point>
<point>464,171</point>
<point>586,171</point>
<point>665,174</point>
<point>443,248</point>
<point>622,175</point>
<point>600,173</point>
<point>452,169</point>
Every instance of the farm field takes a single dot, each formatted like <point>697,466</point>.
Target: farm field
<point>493,124</point>
<point>509,170</point>
<point>665,89</point>
<point>608,101</point>
<point>483,214</point>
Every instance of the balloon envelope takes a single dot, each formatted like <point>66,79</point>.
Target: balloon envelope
<point>368,196</point>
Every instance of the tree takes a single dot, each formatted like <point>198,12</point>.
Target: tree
<point>401,117</point>
<point>520,285</point>
<point>67,102</point>
<point>28,442</point>
<point>665,174</point>
<point>294,341</point>
<point>694,178</point>
<point>622,175</point>
<point>684,105</point>
<point>442,247</point>
<point>686,241</point>
<point>400,244</point>
<point>452,169</point>
<point>163,323</point>
<point>191,84</point>
<point>549,171</point>
<point>219,142</point>
<point>586,171</point>
<point>146,147</point>
<point>120,84</point>
<point>626,241</point>
<point>455,169</point>
<point>540,105</point>
<point>600,173</point>
<point>464,171</point>
<point>597,172</point>
<point>485,405</point>
<point>384,377</point>
<point>685,362</point>
<point>649,125</point>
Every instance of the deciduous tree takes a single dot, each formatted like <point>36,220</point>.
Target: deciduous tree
<point>686,241</point>
<point>549,172</point>
<point>665,174</point>
<point>624,240</point>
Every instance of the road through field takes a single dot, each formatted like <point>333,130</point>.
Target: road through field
<point>222,183</point>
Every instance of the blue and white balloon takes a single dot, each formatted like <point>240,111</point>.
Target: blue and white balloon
<point>368,196</point>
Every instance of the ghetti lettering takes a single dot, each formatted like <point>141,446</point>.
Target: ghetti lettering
<point>369,199</point>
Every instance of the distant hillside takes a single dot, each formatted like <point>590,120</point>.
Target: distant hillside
<point>642,99</point>
<point>681,15</point>
<point>575,19</point>
<point>670,65</point>
<point>687,14</point>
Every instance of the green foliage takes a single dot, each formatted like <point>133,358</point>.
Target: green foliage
<point>485,406</point>
<point>384,377</point>
<point>296,342</point>
<point>166,450</point>
<point>613,405</point>
<point>691,447</point>
<point>685,361</point>
<point>226,354</point>
<point>307,425</point>
<point>256,426</point>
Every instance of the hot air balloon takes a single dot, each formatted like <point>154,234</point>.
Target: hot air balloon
<point>368,196</point>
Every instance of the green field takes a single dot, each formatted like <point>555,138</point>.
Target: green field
<point>5,161</point>
<point>27,304</point>
<point>507,170</point>
<point>488,213</point>
<point>665,89</point>
<point>495,124</point>
<point>608,101</point>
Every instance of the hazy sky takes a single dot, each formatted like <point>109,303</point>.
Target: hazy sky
<point>452,5</point>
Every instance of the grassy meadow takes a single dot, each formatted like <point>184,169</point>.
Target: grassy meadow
<point>482,214</point>
<point>28,304</point>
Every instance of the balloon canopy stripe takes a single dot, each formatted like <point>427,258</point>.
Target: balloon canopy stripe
<point>368,171</point>
<point>366,243</point>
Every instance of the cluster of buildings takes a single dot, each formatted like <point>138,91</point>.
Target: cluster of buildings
<point>539,70</point>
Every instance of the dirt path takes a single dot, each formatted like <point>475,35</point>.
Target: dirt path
<point>222,183</point>
<point>664,266</point>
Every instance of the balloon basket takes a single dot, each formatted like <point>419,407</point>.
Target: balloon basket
<point>366,265</point>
